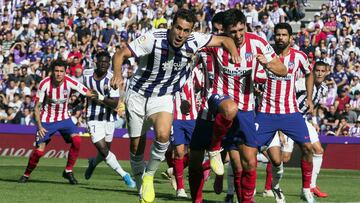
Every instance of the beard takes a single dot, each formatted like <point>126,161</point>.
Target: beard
<point>281,46</point>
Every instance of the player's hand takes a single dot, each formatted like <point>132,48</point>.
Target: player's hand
<point>117,82</point>
<point>261,59</point>
<point>235,58</point>
<point>120,109</point>
<point>41,132</point>
<point>185,107</point>
<point>310,104</point>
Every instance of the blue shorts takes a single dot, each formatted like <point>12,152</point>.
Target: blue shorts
<point>242,131</point>
<point>293,125</point>
<point>214,102</point>
<point>65,127</point>
<point>181,132</point>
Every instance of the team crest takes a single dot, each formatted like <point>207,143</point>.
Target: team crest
<point>291,66</point>
<point>248,56</point>
<point>65,93</point>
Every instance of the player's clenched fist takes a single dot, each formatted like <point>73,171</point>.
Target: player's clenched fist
<point>117,82</point>
<point>261,59</point>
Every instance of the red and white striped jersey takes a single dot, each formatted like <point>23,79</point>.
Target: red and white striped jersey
<point>55,99</point>
<point>279,96</point>
<point>188,93</point>
<point>234,80</point>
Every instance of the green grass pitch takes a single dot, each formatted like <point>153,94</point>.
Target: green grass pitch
<point>47,185</point>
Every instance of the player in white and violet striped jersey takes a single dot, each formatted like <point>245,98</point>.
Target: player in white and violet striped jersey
<point>230,97</point>
<point>320,91</point>
<point>101,116</point>
<point>164,64</point>
<point>278,110</point>
<point>51,115</point>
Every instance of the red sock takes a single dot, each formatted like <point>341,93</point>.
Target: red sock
<point>169,158</point>
<point>220,128</point>
<point>268,176</point>
<point>237,183</point>
<point>179,173</point>
<point>248,181</point>
<point>196,183</point>
<point>33,161</point>
<point>73,152</point>
<point>206,165</point>
<point>306,170</point>
<point>186,160</point>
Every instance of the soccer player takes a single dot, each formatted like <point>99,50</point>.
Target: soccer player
<point>51,115</point>
<point>278,110</point>
<point>164,66</point>
<point>320,90</point>
<point>230,96</point>
<point>101,116</point>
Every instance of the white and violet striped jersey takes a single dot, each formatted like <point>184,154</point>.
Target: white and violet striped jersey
<point>162,68</point>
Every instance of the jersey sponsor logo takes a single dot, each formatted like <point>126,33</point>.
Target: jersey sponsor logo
<point>169,65</point>
<point>237,72</point>
<point>275,77</point>
<point>248,56</point>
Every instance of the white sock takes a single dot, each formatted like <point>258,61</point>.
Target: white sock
<point>114,164</point>
<point>230,180</point>
<point>137,166</point>
<point>277,172</point>
<point>158,150</point>
<point>317,161</point>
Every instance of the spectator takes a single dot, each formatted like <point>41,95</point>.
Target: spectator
<point>332,119</point>
<point>159,19</point>
<point>317,22</point>
<point>354,131</point>
<point>330,27</point>
<point>342,100</point>
<point>343,128</point>
<point>317,36</point>
<point>349,115</point>
<point>120,23</point>
<point>307,48</point>
<point>340,76</point>
<point>268,26</point>
<point>302,35</point>
<point>277,14</point>
<point>107,34</point>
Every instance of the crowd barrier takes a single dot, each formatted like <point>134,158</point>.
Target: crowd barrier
<point>18,140</point>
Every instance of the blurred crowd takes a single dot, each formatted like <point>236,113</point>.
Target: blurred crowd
<point>33,33</point>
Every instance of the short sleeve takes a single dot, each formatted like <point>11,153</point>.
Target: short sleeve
<point>114,93</point>
<point>40,95</point>
<point>143,45</point>
<point>267,50</point>
<point>202,39</point>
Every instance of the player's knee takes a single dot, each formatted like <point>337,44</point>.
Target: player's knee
<point>251,164</point>
<point>104,152</point>
<point>307,149</point>
<point>276,162</point>
<point>228,108</point>
<point>163,134</point>
<point>319,150</point>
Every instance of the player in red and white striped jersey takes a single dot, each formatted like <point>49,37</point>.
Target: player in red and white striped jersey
<point>51,115</point>
<point>231,90</point>
<point>278,111</point>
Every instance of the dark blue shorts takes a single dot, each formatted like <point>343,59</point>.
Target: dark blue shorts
<point>65,127</point>
<point>182,131</point>
<point>214,102</point>
<point>293,125</point>
<point>242,131</point>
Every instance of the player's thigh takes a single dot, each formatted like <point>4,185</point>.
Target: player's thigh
<point>201,137</point>
<point>96,130</point>
<point>135,113</point>
<point>159,111</point>
<point>294,127</point>
<point>266,126</point>
<point>314,136</point>
<point>109,131</point>
<point>247,128</point>
<point>68,129</point>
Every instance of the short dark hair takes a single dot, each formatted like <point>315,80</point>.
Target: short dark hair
<point>233,17</point>
<point>320,63</point>
<point>103,54</point>
<point>58,62</point>
<point>286,26</point>
<point>185,14</point>
<point>218,18</point>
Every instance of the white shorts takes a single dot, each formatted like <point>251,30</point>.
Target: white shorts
<point>100,130</point>
<point>289,143</point>
<point>139,108</point>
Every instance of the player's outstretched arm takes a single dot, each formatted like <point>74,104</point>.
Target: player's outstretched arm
<point>99,98</point>
<point>118,59</point>
<point>228,44</point>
